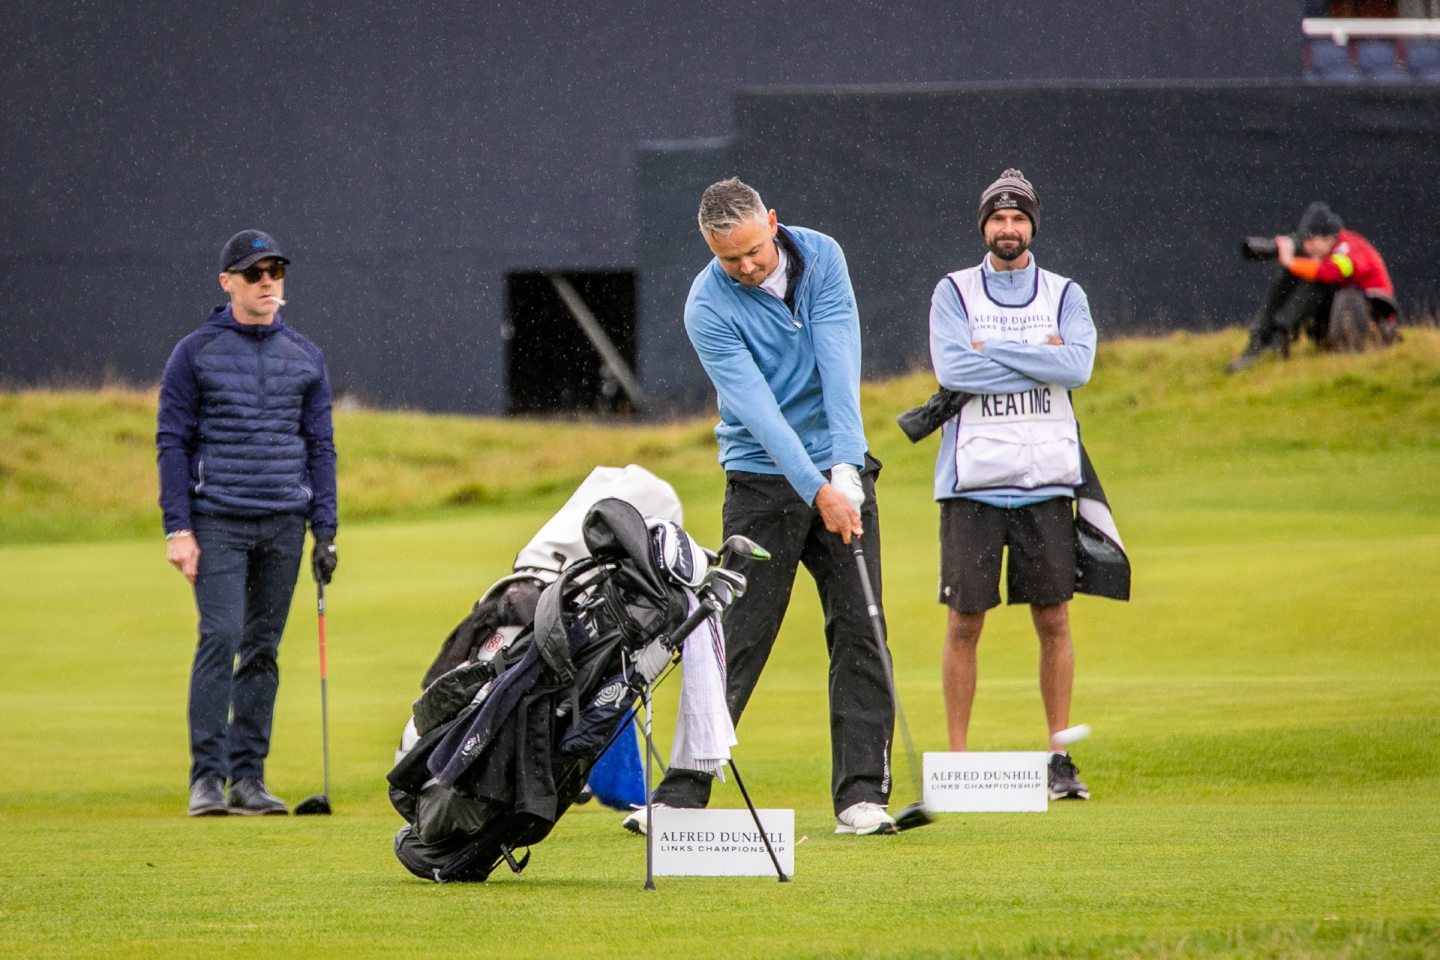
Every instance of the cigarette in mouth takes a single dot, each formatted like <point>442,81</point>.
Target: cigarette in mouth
<point>277,300</point>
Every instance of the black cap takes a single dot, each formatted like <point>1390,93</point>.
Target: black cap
<point>1319,221</point>
<point>1011,192</point>
<point>248,247</point>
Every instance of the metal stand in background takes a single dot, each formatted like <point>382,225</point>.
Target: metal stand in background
<point>595,333</point>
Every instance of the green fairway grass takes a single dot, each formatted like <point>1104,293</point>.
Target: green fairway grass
<point>1265,764</point>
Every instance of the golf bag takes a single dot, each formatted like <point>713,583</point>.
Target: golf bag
<point>501,741</point>
<point>509,603</point>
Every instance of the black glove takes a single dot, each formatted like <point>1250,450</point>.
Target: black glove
<point>323,559</point>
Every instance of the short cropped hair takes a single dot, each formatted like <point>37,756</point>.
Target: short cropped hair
<point>727,204</point>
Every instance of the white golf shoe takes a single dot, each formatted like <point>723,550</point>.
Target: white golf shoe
<point>864,818</point>
<point>639,819</point>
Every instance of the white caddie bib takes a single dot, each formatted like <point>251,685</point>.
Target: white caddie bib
<point>1027,439</point>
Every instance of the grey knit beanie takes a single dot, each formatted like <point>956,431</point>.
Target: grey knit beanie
<point>1011,192</point>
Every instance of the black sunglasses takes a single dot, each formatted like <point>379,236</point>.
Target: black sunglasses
<point>253,274</point>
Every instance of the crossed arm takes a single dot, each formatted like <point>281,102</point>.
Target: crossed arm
<point>1003,366</point>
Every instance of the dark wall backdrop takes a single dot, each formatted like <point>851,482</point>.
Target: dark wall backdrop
<point>1145,188</point>
<point>408,155</point>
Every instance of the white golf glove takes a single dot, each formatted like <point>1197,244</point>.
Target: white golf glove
<point>845,477</point>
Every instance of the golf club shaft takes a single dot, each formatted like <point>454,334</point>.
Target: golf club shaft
<point>878,628</point>
<point>324,694</point>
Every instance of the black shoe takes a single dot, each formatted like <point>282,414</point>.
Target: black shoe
<point>249,798</point>
<point>1243,362</point>
<point>207,798</point>
<point>1065,782</point>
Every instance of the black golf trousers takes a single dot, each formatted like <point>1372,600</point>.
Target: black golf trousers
<point>766,509</point>
<point>243,590</point>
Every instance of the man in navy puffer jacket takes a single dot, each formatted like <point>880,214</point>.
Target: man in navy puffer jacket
<point>246,456</point>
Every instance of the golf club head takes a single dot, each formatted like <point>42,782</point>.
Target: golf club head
<point>911,817</point>
<point>721,588</point>
<point>318,805</point>
<point>733,580</point>
<point>738,546</point>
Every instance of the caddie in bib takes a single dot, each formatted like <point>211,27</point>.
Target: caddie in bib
<point>1017,339</point>
<point>1025,439</point>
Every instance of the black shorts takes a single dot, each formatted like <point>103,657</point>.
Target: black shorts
<point>1041,538</point>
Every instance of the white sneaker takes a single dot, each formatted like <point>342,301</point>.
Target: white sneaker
<point>638,821</point>
<point>864,818</point>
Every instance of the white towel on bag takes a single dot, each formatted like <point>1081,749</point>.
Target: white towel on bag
<point>704,732</point>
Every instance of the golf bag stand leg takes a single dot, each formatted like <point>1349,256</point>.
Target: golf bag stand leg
<point>649,803</point>
<point>755,815</point>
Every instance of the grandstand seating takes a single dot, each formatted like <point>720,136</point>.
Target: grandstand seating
<point>1373,48</point>
<point>1330,61</point>
<point>1377,60</point>
<point>1422,58</point>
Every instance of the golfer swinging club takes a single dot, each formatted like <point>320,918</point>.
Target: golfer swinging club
<point>246,455</point>
<point>774,322</point>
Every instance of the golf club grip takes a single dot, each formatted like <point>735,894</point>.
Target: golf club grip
<point>871,605</point>
<point>690,624</point>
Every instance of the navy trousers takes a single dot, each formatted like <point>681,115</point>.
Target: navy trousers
<point>242,591</point>
<point>766,509</point>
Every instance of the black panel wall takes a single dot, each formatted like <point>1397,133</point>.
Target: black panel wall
<point>410,155</point>
<point>1146,190</point>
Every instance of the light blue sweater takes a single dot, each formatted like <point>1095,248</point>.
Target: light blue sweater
<point>788,382</point>
<point>1003,366</point>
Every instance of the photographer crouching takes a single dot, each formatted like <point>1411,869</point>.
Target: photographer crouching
<point>1337,291</point>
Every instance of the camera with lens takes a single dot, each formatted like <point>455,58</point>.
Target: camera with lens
<point>1260,248</point>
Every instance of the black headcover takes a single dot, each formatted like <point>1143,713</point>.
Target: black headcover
<point>919,422</point>
<point>638,599</point>
<point>634,598</point>
<point>514,606</point>
<point>614,530</point>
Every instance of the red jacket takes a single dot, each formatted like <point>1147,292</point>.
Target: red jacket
<point>1352,263</point>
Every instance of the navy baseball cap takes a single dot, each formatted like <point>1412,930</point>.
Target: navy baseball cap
<point>248,247</point>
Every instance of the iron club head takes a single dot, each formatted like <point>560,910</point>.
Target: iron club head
<point>317,805</point>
